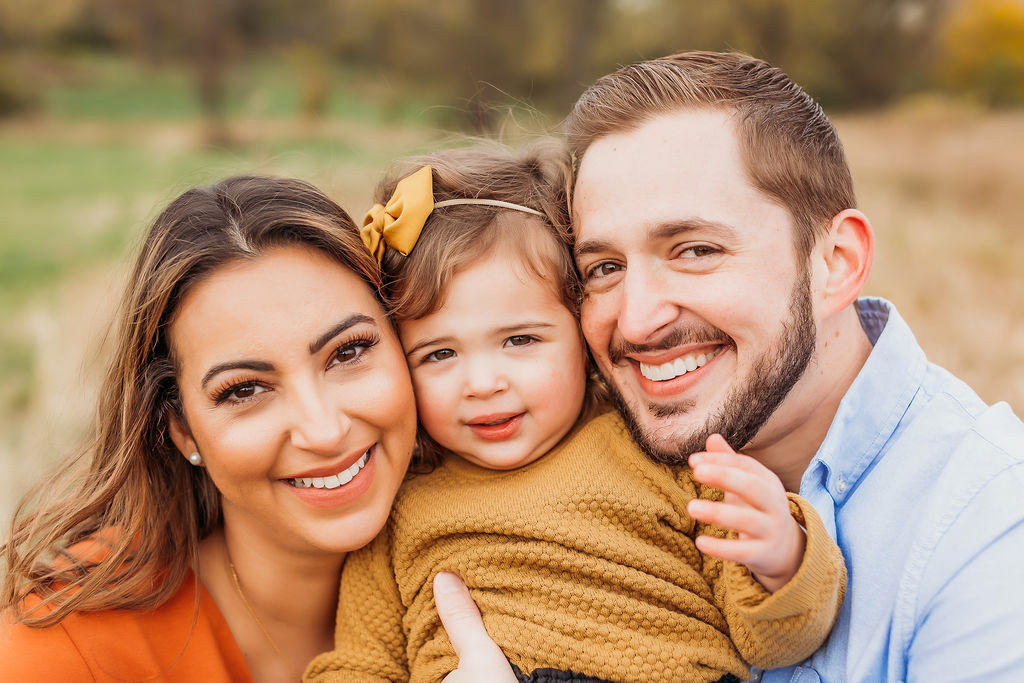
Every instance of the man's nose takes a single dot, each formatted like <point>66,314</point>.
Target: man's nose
<point>320,424</point>
<point>646,304</point>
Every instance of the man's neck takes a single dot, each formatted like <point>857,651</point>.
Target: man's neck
<point>788,442</point>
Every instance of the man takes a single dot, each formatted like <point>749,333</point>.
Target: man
<point>722,257</point>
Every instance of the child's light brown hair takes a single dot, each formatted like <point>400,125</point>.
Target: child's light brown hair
<point>454,237</point>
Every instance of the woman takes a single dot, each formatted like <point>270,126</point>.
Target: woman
<point>254,426</point>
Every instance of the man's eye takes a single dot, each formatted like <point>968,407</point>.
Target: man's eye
<point>440,354</point>
<point>697,251</point>
<point>603,269</point>
<point>520,340</point>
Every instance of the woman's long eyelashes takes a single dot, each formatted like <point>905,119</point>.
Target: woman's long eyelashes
<point>351,351</point>
<point>236,391</point>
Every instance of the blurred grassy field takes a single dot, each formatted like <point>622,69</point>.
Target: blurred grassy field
<point>79,184</point>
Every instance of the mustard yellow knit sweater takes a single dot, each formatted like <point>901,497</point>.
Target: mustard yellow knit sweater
<point>582,560</point>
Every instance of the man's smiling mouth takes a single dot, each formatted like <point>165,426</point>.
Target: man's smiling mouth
<point>677,367</point>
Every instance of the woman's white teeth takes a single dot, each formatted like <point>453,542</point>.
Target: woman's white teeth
<point>677,367</point>
<point>335,480</point>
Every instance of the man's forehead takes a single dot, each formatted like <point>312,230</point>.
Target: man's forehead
<point>681,161</point>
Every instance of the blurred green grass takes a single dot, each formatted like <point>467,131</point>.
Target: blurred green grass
<point>81,180</point>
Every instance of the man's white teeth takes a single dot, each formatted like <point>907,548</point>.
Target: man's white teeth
<point>335,480</point>
<point>677,367</point>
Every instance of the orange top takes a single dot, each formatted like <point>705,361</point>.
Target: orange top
<point>128,645</point>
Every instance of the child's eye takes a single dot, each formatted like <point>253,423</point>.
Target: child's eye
<point>440,354</point>
<point>520,340</point>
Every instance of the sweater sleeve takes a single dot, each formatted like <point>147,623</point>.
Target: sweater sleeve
<point>369,639</point>
<point>772,630</point>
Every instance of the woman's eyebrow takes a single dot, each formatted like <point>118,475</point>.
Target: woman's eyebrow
<point>258,365</point>
<point>264,366</point>
<point>337,329</point>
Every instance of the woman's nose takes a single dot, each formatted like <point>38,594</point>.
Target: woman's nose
<point>320,423</point>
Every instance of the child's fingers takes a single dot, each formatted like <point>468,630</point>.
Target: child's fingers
<point>748,486</point>
<point>740,518</point>
<point>733,549</point>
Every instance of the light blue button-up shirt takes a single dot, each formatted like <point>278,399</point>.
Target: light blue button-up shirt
<point>922,486</point>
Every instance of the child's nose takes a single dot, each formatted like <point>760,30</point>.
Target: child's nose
<point>483,379</point>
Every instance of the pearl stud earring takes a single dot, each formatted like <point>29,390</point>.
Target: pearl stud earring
<point>195,459</point>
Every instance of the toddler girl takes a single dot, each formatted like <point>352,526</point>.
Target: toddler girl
<point>579,551</point>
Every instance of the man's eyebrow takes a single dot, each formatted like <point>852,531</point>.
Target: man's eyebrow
<point>338,328</point>
<point>585,247</point>
<point>258,365</point>
<point>659,232</point>
<point>676,228</point>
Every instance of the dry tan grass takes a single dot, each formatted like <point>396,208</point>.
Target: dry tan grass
<point>941,188</point>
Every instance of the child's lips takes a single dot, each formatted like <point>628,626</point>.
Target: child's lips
<point>497,426</point>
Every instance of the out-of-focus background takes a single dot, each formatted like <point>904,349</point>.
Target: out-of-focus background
<point>110,108</point>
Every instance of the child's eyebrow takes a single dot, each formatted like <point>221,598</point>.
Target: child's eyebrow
<point>429,342</point>
<point>525,325</point>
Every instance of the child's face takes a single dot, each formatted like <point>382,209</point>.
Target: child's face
<point>500,369</point>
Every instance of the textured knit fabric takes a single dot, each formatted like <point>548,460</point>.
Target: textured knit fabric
<point>922,484</point>
<point>583,560</point>
<point>169,643</point>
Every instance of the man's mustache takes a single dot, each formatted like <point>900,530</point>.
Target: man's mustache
<point>677,336</point>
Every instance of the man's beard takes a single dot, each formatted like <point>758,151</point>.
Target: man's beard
<point>747,407</point>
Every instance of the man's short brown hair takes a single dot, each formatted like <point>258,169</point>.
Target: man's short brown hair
<point>790,149</point>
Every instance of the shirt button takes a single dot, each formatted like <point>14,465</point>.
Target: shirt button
<point>841,485</point>
<point>755,675</point>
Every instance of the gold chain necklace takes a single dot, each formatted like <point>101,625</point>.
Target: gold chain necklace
<point>241,594</point>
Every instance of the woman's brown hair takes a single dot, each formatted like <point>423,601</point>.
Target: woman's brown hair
<point>537,177</point>
<point>129,487</point>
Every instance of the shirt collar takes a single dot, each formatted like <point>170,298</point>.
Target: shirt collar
<point>875,403</point>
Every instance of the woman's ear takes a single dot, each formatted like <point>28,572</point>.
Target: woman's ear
<point>180,434</point>
<point>848,249</point>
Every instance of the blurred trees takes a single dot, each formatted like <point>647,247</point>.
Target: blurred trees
<point>479,55</point>
<point>984,50</point>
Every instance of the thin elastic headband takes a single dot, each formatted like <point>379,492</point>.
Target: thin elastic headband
<point>488,202</point>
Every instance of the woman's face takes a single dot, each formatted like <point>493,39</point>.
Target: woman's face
<point>297,396</point>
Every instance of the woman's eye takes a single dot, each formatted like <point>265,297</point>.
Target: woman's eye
<point>241,392</point>
<point>697,251</point>
<point>440,354</point>
<point>603,269</point>
<point>352,351</point>
<point>520,340</point>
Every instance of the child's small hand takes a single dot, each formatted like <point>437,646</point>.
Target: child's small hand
<point>771,543</point>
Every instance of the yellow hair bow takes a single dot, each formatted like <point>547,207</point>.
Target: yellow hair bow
<point>398,224</point>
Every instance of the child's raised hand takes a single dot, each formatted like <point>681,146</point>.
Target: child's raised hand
<point>771,543</point>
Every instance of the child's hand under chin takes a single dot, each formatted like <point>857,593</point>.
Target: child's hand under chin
<point>771,543</point>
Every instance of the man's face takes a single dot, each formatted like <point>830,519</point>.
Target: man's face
<point>696,308</point>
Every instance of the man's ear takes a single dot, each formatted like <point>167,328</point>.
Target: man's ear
<point>847,251</point>
<point>180,434</point>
